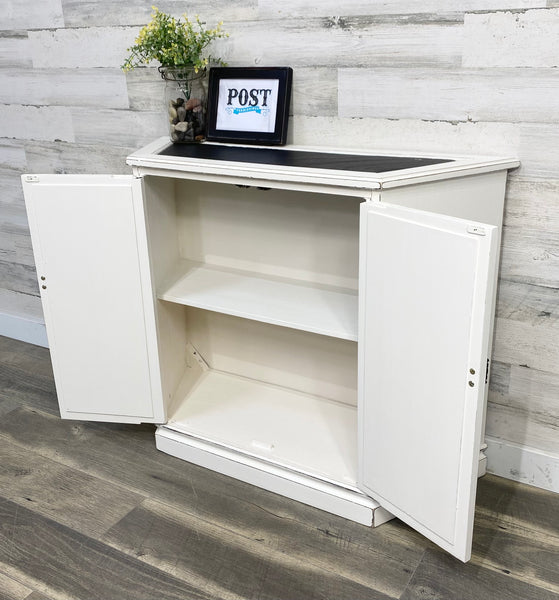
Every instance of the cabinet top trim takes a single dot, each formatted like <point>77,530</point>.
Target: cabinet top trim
<point>346,168</point>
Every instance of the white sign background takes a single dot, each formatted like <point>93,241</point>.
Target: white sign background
<point>252,115</point>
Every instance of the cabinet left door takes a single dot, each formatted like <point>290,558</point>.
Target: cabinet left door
<point>91,253</point>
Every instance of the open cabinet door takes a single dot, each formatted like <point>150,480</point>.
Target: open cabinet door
<point>90,246</point>
<point>426,284</point>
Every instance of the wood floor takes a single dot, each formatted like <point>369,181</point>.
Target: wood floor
<point>93,511</point>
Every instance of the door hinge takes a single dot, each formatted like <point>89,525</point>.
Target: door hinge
<point>475,229</point>
<point>487,372</point>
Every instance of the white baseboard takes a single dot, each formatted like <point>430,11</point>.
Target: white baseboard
<point>26,330</point>
<point>522,463</point>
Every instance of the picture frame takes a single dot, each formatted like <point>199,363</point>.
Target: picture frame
<point>249,105</point>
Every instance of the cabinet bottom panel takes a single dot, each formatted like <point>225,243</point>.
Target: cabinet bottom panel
<point>304,433</point>
<point>331,498</point>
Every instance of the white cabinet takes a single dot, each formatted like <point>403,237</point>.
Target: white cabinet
<point>317,324</point>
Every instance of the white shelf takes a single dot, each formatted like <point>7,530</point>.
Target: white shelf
<point>311,435</point>
<point>326,311</point>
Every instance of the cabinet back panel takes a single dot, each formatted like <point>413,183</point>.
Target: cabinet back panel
<point>308,237</point>
<point>314,364</point>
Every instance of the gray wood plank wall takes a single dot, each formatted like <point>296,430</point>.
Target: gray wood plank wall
<point>478,76</point>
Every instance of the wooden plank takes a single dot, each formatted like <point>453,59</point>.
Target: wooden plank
<point>420,136</point>
<point>80,501</point>
<point>96,13</point>
<point>12,590</point>
<point>314,90</point>
<point>101,88</point>
<point>326,8</point>
<point>523,427</point>
<point>18,277</point>
<point>532,203</point>
<point>14,49</point>
<point>257,561</point>
<point>61,157</point>
<point>10,184</point>
<point>65,564</point>
<point>507,503</point>
<point>537,148</point>
<point>530,256</point>
<point>342,43</point>
<point>36,122</point>
<point>12,155</point>
<point>17,14</point>
<point>34,359</point>
<point>520,343</point>
<point>534,304</point>
<point>23,305</point>
<point>536,390</point>
<point>145,89</point>
<point>499,381</point>
<point>511,39</point>
<point>439,576</point>
<point>84,47</point>
<point>127,455</point>
<point>118,127</point>
<point>19,386</point>
<point>525,555</point>
<point>451,95</point>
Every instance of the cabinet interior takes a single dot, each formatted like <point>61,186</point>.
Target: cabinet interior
<point>257,320</point>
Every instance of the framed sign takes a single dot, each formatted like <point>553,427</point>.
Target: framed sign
<point>249,105</point>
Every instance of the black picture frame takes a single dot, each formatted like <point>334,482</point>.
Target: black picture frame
<point>224,107</point>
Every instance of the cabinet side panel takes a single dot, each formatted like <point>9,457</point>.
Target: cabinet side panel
<point>86,248</point>
<point>477,197</point>
<point>161,218</point>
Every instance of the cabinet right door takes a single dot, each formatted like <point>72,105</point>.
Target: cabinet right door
<point>426,283</point>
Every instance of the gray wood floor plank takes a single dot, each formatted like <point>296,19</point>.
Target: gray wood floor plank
<point>201,534</point>
<point>12,590</point>
<point>67,565</point>
<point>503,499</point>
<point>85,503</point>
<point>441,577</point>
<point>246,565</point>
<point>21,387</point>
<point>521,553</point>
<point>127,455</point>
<point>34,359</point>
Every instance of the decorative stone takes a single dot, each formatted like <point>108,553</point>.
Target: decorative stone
<point>199,138</point>
<point>182,126</point>
<point>179,102</point>
<point>172,113</point>
<point>193,103</point>
<point>174,136</point>
<point>181,113</point>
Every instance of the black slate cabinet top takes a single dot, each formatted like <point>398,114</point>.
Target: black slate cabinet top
<point>300,158</point>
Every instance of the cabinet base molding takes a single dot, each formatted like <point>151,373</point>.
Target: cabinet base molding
<point>326,496</point>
